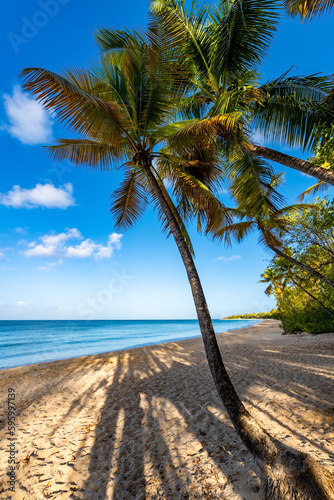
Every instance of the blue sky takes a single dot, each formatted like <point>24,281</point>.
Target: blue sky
<point>60,256</point>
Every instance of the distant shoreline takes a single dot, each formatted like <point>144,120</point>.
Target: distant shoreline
<point>76,343</point>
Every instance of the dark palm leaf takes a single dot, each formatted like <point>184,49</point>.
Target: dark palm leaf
<point>85,152</point>
<point>75,99</point>
<point>129,201</point>
<point>251,184</point>
<point>241,33</point>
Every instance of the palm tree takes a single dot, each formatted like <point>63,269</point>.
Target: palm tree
<point>321,304</point>
<point>223,47</point>
<point>123,109</point>
<point>277,285</point>
<point>308,9</point>
<point>279,275</point>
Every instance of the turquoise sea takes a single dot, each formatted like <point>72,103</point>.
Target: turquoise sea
<point>28,342</point>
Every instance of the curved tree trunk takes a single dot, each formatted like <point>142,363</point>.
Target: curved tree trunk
<point>313,297</point>
<point>320,173</point>
<point>289,474</point>
<point>305,267</point>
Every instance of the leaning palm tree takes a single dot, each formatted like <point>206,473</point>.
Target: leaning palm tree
<point>223,46</point>
<point>277,285</point>
<point>287,273</point>
<point>123,108</point>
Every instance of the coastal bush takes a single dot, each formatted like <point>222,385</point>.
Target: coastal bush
<point>308,320</point>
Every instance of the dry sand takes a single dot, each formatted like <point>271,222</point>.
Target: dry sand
<point>146,423</point>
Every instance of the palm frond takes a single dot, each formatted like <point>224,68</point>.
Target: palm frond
<point>199,133</point>
<point>293,108</point>
<point>109,39</point>
<point>192,106</point>
<point>237,231</point>
<point>186,33</point>
<point>85,152</point>
<point>129,201</point>
<point>293,209</point>
<point>308,9</point>
<point>241,32</point>
<point>316,188</point>
<point>268,239</point>
<point>74,98</point>
<point>251,184</point>
<point>315,86</point>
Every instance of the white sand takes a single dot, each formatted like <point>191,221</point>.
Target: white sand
<point>147,424</point>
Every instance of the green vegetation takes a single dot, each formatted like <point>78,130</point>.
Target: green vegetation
<point>274,314</point>
<point>305,302</point>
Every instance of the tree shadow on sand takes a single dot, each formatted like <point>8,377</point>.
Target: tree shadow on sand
<point>158,438</point>
<point>160,430</point>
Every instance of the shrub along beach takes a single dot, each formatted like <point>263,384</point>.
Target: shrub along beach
<point>177,108</point>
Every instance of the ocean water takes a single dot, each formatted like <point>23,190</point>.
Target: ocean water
<point>28,342</point>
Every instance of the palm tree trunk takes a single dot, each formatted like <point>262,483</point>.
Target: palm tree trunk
<point>305,267</point>
<point>313,297</point>
<point>292,162</point>
<point>288,473</point>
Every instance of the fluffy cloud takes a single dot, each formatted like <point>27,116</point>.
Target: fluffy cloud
<point>28,121</point>
<point>56,245</point>
<point>228,259</point>
<point>2,254</point>
<point>42,195</point>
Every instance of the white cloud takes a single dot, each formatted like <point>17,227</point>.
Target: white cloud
<point>55,245</point>
<point>228,259</point>
<point>41,251</point>
<point>2,254</point>
<point>85,249</point>
<point>115,239</point>
<point>52,245</point>
<point>57,239</point>
<point>42,195</point>
<point>21,303</point>
<point>28,121</point>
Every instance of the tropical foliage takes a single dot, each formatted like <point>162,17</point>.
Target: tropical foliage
<point>304,301</point>
<point>323,156</point>
<point>222,48</point>
<point>274,314</point>
<point>308,9</point>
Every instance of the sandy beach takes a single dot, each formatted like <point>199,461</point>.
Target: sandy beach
<point>147,423</point>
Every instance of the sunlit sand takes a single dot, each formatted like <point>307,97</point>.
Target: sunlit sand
<point>147,423</point>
